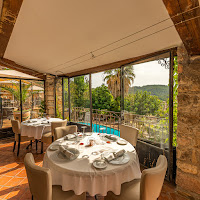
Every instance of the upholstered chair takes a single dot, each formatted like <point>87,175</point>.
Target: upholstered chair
<point>18,138</point>
<point>146,188</point>
<point>40,183</point>
<point>129,133</point>
<point>62,131</point>
<point>49,137</point>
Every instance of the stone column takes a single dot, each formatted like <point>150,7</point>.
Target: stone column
<point>50,95</point>
<point>188,129</point>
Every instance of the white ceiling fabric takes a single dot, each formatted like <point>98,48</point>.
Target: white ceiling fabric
<point>48,33</point>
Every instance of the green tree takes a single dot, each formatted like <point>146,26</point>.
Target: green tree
<point>101,98</point>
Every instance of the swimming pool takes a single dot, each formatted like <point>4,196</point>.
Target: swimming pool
<point>102,129</point>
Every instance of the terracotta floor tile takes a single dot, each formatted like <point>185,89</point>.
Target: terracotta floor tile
<point>11,165</point>
<point>13,172</point>
<point>4,192</point>
<point>14,182</point>
<point>4,180</point>
<point>22,173</point>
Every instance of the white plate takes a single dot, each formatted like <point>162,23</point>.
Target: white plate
<point>122,142</point>
<point>121,160</point>
<point>54,147</point>
<point>88,134</point>
<point>111,140</point>
<point>99,164</point>
<point>73,150</point>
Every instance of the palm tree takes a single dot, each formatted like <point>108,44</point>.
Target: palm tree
<point>112,78</point>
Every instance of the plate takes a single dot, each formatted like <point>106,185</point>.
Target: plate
<point>54,147</point>
<point>73,150</point>
<point>111,140</point>
<point>121,160</point>
<point>88,133</point>
<point>122,142</point>
<point>99,164</point>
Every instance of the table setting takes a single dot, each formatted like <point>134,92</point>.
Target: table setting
<point>83,162</point>
<point>37,127</point>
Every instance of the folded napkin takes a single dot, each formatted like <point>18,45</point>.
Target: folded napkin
<point>69,136</point>
<point>66,152</point>
<point>110,137</point>
<point>115,155</point>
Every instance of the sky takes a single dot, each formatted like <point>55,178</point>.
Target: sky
<point>150,73</point>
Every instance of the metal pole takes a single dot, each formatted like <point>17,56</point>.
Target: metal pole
<point>63,99</point>
<point>90,91</point>
<point>55,96</point>
<point>170,165</point>
<point>69,104</point>
<point>20,85</point>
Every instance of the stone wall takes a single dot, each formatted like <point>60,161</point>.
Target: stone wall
<point>188,130</point>
<point>50,95</point>
<point>59,97</point>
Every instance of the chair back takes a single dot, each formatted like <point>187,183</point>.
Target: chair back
<point>16,126</point>
<point>39,179</point>
<point>54,125</point>
<point>152,180</point>
<point>62,131</point>
<point>129,133</point>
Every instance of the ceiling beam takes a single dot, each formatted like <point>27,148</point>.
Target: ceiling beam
<point>12,65</point>
<point>117,64</point>
<point>189,31</point>
<point>9,13</point>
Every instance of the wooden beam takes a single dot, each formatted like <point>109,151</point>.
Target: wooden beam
<point>116,64</point>
<point>10,11</point>
<point>188,31</point>
<point>12,65</point>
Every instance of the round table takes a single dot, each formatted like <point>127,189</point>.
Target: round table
<point>80,176</point>
<point>37,127</point>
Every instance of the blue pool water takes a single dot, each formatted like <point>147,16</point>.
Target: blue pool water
<point>102,129</point>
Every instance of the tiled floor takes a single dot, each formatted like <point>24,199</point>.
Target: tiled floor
<point>13,180</point>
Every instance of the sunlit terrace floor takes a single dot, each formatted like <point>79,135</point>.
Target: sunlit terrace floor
<point>14,183</point>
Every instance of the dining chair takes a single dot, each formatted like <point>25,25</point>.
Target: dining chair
<point>40,183</point>
<point>62,131</point>
<point>18,138</point>
<point>129,133</point>
<point>49,136</point>
<point>146,188</point>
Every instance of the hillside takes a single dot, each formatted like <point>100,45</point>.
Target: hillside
<point>161,91</point>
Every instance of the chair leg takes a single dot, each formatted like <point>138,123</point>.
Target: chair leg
<point>41,147</point>
<point>18,145</point>
<point>32,197</point>
<point>14,146</point>
<point>52,139</point>
<point>31,144</point>
<point>36,142</point>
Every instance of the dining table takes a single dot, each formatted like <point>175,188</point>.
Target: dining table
<point>37,127</point>
<point>82,174</point>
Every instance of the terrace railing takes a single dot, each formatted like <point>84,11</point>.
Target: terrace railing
<point>151,128</point>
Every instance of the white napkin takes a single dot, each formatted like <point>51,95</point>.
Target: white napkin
<point>115,155</point>
<point>66,152</point>
<point>69,136</point>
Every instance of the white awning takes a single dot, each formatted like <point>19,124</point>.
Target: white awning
<point>15,74</point>
<point>66,36</point>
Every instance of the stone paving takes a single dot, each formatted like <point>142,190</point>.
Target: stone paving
<point>14,183</point>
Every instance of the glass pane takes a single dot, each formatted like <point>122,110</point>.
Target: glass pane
<point>146,91</point>
<point>32,99</point>
<point>80,99</point>
<point>66,101</point>
<point>9,101</point>
<point>106,97</point>
<point>59,111</point>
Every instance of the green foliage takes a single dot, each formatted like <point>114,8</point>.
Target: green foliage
<point>142,103</point>
<point>101,98</point>
<point>80,92</point>
<point>42,107</point>
<point>161,91</point>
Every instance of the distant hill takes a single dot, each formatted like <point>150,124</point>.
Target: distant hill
<point>161,91</point>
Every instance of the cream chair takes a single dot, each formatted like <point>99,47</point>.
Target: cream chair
<point>146,188</point>
<point>62,131</point>
<point>49,137</point>
<point>40,183</point>
<point>18,138</point>
<point>129,133</point>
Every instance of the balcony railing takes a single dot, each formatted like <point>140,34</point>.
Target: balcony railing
<point>151,128</point>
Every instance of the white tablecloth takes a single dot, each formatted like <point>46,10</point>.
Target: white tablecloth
<point>80,176</point>
<point>37,129</point>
